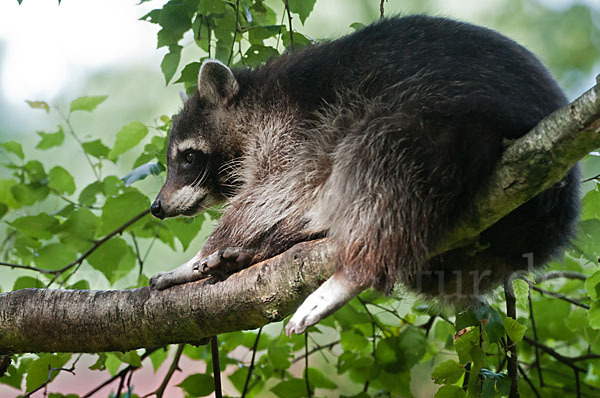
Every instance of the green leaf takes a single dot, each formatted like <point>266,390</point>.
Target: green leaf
<point>95,148</point>
<point>50,140</point>
<point>465,319</point>
<point>170,62</point>
<point>400,353</point>
<point>594,315</point>
<point>78,231</point>
<point>450,392</point>
<point>448,372</point>
<point>590,208</point>
<point>129,136</point>
<point>578,320</point>
<point>38,104</point>
<point>185,229</point>
<point>279,356</point>
<point>352,341</point>
<point>87,103</point>
<point>40,226</point>
<point>54,257</point>
<point>35,170</point>
<point>257,54</point>
<point>118,210</point>
<point>112,363</point>
<point>131,357</point>
<point>521,289</point>
<point>61,181</point>
<point>25,282</point>
<point>143,171</point>
<point>318,380</point>
<point>189,74</point>
<point>198,385</point>
<point>257,34</point>
<point>302,7</point>
<point>514,329</point>
<point>494,326</point>
<point>28,194</point>
<point>39,370</point>
<point>465,343</point>
<point>357,26</point>
<point>592,285</point>
<point>6,195</point>
<point>114,259</point>
<point>175,18</point>
<point>292,388</point>
<point>158,357</point>
<point>13,147</point>
<point>87,196</point>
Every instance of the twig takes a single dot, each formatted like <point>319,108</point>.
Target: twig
<point>465,383</point>
<point>129,368</point>
<point>560,297</point>
<point>559,274</point>
<point>316,349</point>
<point>535,336</point>
<point>235,30</point>
<point>511,347</point>
<point>577,386</point>
<point>28,267</point>
<point>96,245</point>
<point>428,325</point>
<point>72,132</point>
<point>254,348</point>
<point>4,364</point>
<point>289,15</point>
<point>381,9</point>
<point>528,380</point>
<point>308,392</point>
<point>121,383</point>
<point>50,373</point>
<point>373,326</point>
<point>214,347</point>
<point>174,366</point>
<point>570,361</point>
<point>137,253</point>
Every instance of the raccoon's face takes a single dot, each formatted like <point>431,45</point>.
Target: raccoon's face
<point>192,183</point>
<point>196,179</point>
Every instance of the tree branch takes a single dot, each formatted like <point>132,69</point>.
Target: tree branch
<point>48,320</point>
<point>43,320</point>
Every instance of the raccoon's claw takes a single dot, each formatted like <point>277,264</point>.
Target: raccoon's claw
<point>161,281</point>
<point>228,260</point>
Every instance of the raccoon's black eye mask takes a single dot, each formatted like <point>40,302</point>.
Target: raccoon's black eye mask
<point>192,159</point>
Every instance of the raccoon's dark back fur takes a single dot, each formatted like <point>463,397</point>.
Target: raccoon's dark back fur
<point>379,140</point>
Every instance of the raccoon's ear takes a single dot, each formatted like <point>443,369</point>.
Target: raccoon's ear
<point>216,83</point>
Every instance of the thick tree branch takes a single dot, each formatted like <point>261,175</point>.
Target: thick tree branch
<point>41,320</point>
<point>47,320</point>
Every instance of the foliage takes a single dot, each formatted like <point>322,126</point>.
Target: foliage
<point>374,346</point>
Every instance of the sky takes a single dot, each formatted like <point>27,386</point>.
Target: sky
<point>45,47</point>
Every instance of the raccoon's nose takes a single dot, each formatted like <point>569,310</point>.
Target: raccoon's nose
<point>156,210</point>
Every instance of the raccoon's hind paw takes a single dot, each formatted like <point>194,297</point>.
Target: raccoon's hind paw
<point>225,261</point>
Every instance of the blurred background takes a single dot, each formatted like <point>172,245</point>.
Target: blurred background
<point>55,53</point>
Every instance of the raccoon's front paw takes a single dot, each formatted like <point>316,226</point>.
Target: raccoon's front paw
<point>161,281</point>
<point>225,261</point>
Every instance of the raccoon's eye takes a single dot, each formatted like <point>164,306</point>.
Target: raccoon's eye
<point>189,158</point>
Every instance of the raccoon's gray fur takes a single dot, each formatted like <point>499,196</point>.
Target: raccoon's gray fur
<point>379,141</point>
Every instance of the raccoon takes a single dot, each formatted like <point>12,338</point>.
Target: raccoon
<point>378,141</point>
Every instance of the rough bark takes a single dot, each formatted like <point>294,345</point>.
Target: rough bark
<point>48,320</point>
<point>42,320</point>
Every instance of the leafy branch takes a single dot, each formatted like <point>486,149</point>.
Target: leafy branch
<point>271,290</point>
